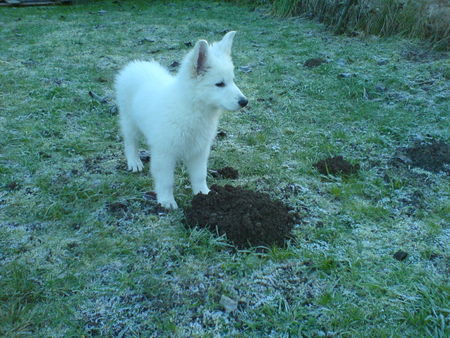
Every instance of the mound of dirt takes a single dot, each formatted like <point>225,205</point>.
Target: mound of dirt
<point>314,62</point>
<point>226,172</point>
<point>246,217</point>
<point>433,156</point>
<point>400,255</point>
<point>336,166</point>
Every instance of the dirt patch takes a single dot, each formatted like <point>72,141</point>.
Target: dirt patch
<point>13,186</point>
<point>400,255</point>
<point>226,172</point>
<point>246,217</point>
<point>314,62</point>
<point>432,156</point>
<point>118,209</point>
<point>128,209</point>
<point>336,166</point>
<point>423,55</point>
<point>93,164</point>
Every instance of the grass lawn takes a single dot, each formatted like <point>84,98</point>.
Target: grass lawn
<point>82,251</point>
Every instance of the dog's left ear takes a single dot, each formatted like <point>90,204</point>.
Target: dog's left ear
<point>227,42</point>
<point>200,57</point>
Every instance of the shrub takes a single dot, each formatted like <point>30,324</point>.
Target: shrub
<point>426,19</point>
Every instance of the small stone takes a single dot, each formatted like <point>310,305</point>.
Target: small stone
<point>246,69</point>
<point>379,87</point>
<point>346,75</point>
<point>98,97</point>
<point>229,304</point>
<point>174,64</point>
<point>341,62</point>
<point>113,110</point>
<point>146,40</point>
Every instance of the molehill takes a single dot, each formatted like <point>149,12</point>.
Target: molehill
<point>336,166</point>
<point>247,218</point>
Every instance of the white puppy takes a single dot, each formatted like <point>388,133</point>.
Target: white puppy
<point>178,115</point>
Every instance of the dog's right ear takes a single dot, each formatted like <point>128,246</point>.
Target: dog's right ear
<point>226,42</point>
<point>200,57</point>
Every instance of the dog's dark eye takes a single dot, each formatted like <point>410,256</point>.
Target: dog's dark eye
<point>220,84</point>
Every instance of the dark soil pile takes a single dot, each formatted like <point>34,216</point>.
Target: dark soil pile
<point>433,156</point>
<point>336,166</point>
<point>400,255</point>
<point>246,217</point>
<point>226,172</point>
<point>315,62</point>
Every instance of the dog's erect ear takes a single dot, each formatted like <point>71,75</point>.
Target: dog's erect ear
<point>200,57</point>
<point>227,42</point>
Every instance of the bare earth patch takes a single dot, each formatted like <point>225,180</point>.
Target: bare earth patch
<point>314,62</point>
<point>226,172</point>
<point>336,166</point>
<point>433,156</point>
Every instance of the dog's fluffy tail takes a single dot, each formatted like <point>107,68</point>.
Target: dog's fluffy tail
<point>135,75</point>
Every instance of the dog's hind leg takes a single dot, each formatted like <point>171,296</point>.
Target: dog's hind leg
<point>131,140</point>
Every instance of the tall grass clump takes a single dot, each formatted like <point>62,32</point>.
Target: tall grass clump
<point>425,19</point>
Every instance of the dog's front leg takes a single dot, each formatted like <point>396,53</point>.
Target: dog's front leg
<point>197,166</point>
<point>162,168</point>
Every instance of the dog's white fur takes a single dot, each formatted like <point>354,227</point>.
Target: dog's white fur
<point>177,115</point>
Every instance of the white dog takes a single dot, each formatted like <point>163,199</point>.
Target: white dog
<point>178,115</point>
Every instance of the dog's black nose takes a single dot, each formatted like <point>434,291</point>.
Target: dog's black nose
<point>243,102</point>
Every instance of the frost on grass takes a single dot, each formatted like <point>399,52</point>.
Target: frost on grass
<point>289,282</point>
<point>118,315</point>
<point>71,214</point>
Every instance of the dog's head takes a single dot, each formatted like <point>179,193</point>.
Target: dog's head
<point>212,70</point>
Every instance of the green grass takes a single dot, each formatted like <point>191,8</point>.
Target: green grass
<point>70,266</point>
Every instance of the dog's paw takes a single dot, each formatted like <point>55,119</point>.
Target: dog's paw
<point>203,189</point>
<point>135,165</point>
<point>168,204</point>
